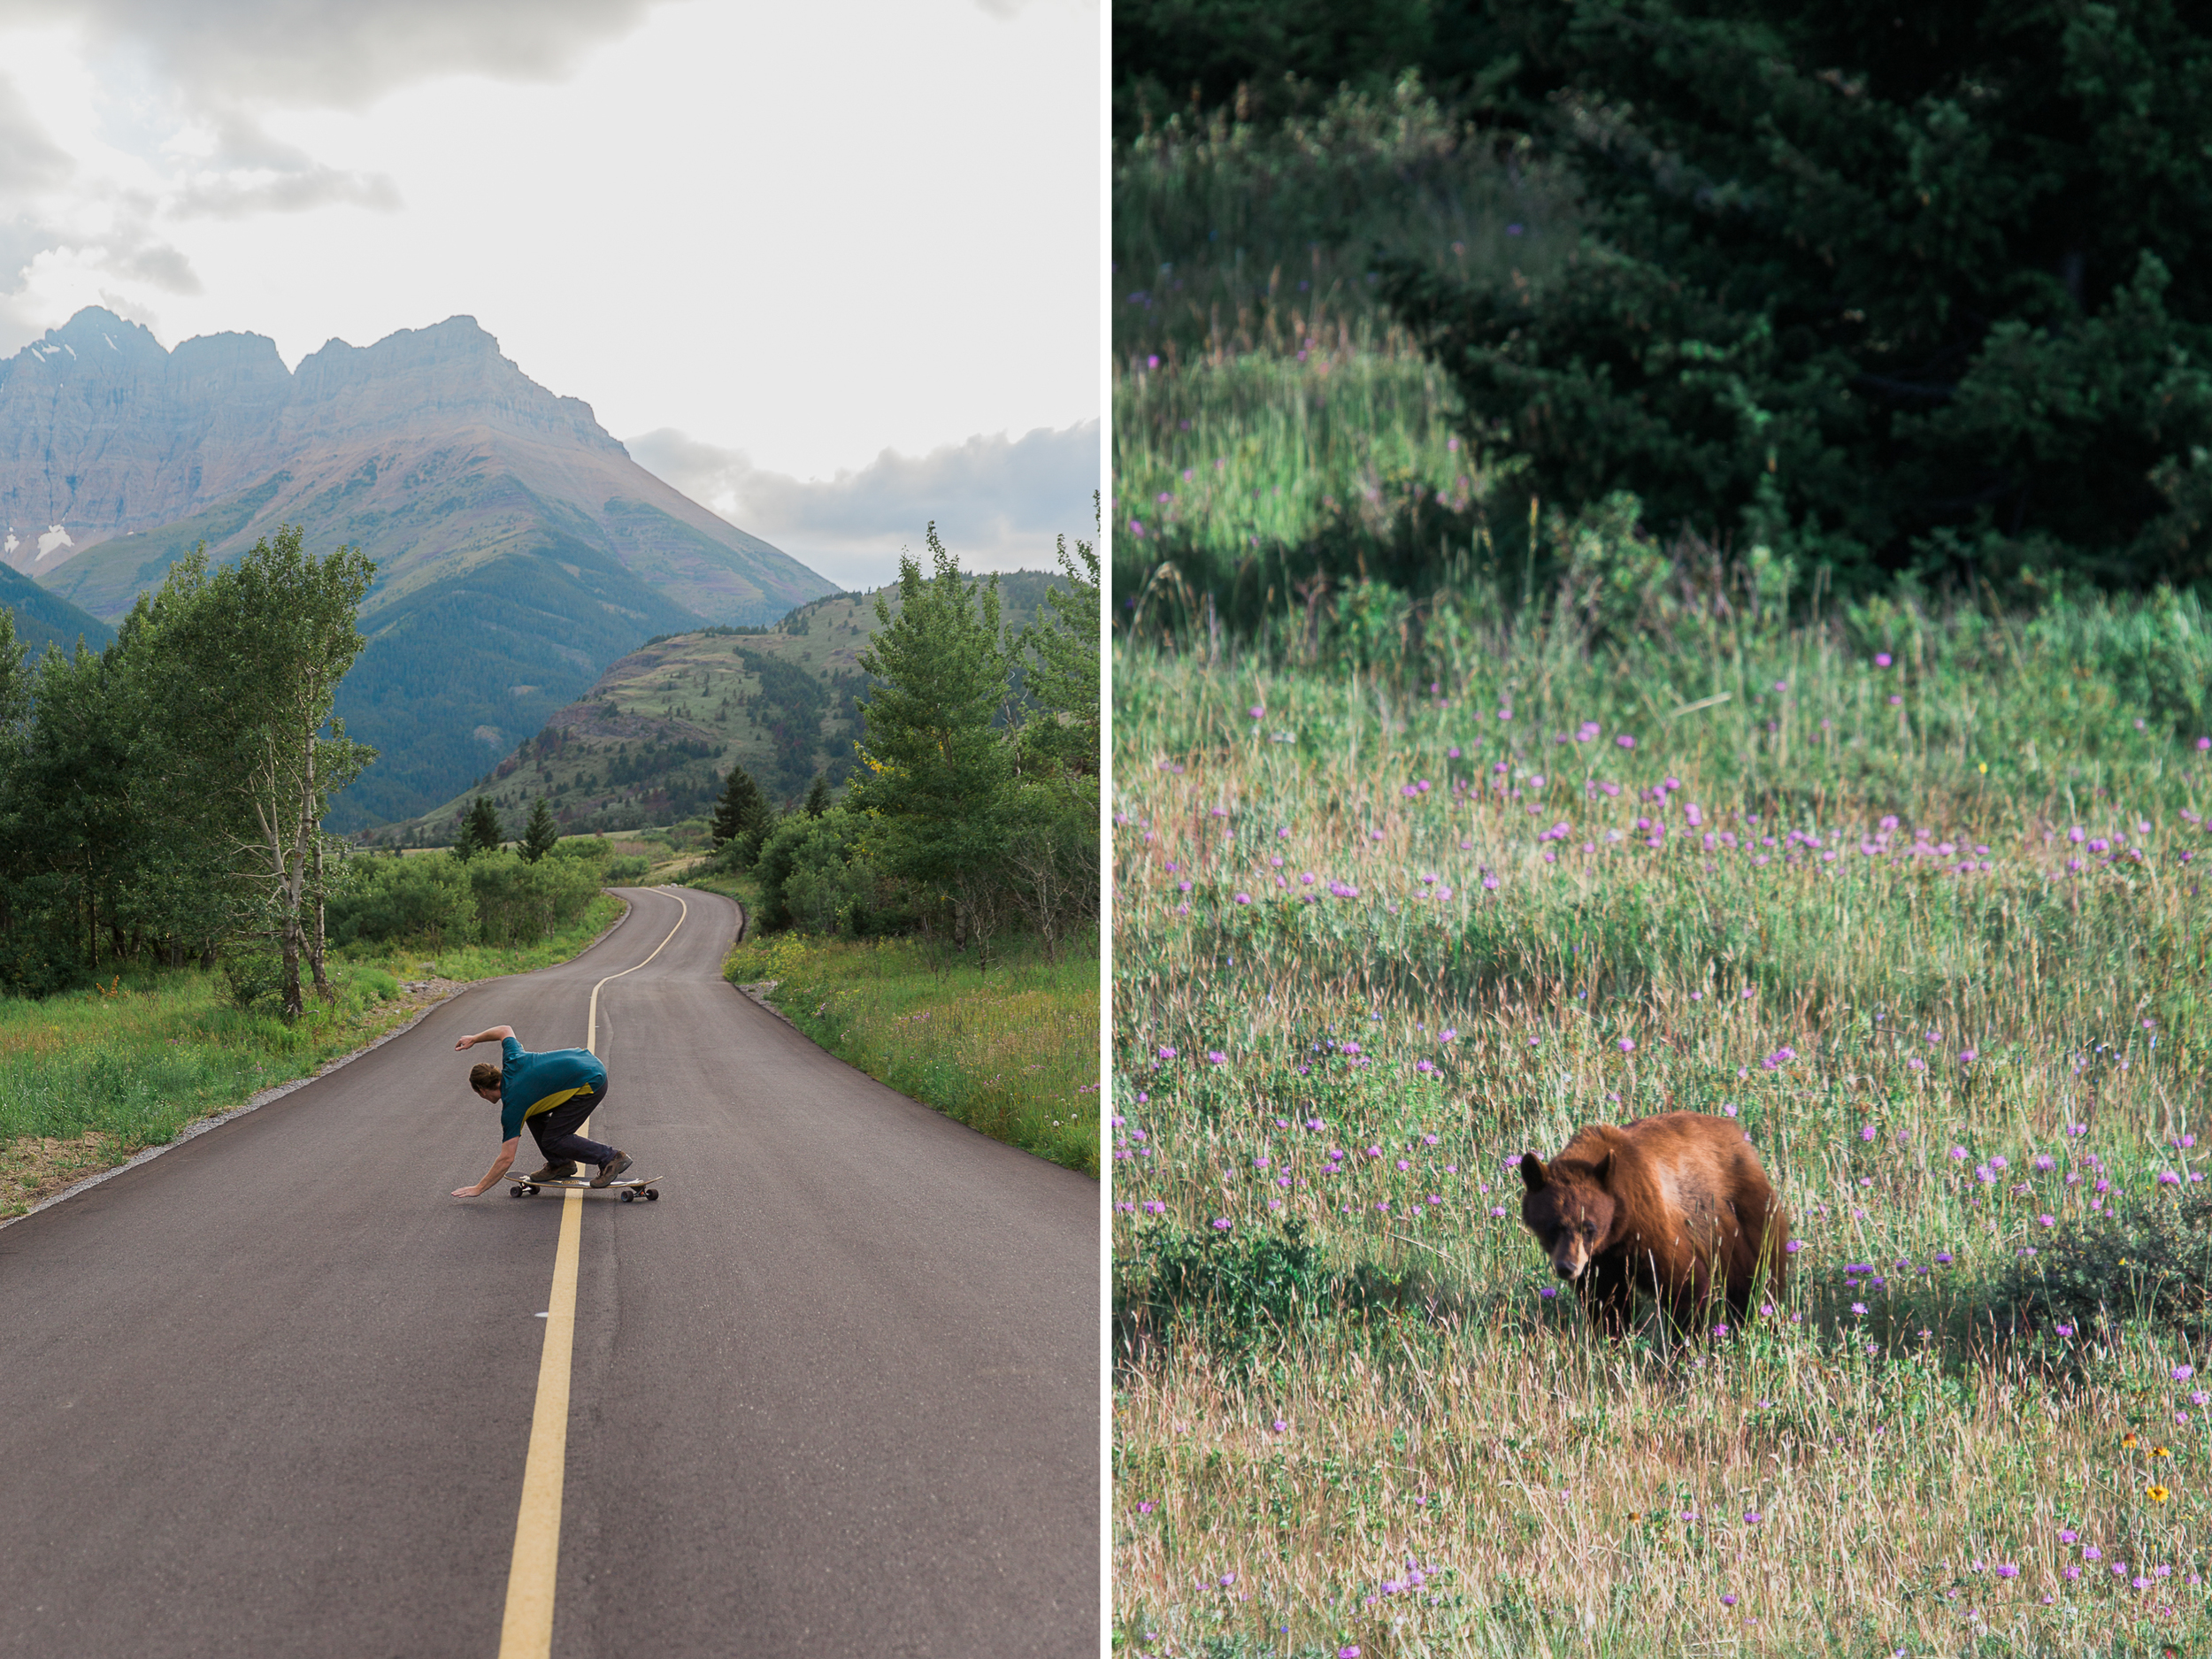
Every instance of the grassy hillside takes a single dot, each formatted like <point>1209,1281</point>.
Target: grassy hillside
<point>650,742</point>
<point>42,619</point>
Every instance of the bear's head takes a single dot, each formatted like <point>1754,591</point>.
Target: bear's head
<point>1569,1209</point>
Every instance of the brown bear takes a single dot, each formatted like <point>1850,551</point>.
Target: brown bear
<point>1664,1205</point>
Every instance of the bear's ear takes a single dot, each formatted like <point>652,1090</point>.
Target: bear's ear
<point>1604,1170</point>
<point>1533,1171</point>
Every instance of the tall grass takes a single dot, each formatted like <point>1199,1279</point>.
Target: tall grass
<point>1011,1051</point>
<point>1931,931</point>
<point>1271,420</point>
<point>1232,237</point>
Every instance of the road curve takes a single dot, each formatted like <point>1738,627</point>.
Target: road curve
<point>836,1394</point>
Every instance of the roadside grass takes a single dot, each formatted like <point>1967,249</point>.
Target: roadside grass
<point>731,884</point>
<point>91,1078</point>
<point>1931,930</point>
<point>1012,1051</point>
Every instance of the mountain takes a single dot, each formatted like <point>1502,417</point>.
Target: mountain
<point>42,619</point>
<point>518,548</point>
<point>653,738</point>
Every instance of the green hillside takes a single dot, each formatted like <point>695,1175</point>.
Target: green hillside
<point>652,740</point>
<point>42,619</point>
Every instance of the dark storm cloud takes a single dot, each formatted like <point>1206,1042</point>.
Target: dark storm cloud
<point>343,52</point>
<point>994,495</point>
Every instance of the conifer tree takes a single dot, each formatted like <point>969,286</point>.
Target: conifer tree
<point>1878,286</point>
<point>933,772</point>
<point>818,797</point>
<point>481,831</point>
<point>538,836</point>
<point>743,811</point>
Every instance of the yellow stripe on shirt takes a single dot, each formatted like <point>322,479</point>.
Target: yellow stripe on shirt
<point>550,1102</point>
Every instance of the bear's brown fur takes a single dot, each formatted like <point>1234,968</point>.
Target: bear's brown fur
<point>1666,1205</point>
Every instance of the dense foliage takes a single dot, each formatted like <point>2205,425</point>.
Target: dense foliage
<point>975,802</point>
<point>167,794</point>
<point>1879,293</point>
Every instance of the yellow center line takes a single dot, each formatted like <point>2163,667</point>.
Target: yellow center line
<point>526,1631</point>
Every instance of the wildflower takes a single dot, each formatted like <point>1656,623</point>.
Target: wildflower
<point>2182,1373</point>
<point>2090,1552</point>
<point>1222,1223</point>
<point>2008,1571</point>
<point>2066,1535</point>
<point>1214,1057</point>
<point>1881,659</point>
<point>1728,1601</point>
<point>1628,1045</point>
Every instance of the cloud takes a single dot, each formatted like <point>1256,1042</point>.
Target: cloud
<point>162,267</point>
<point>336,53</point>
<point>29,160</point>
<point>998,502</point>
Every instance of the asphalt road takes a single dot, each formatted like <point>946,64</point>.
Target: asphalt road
<point>836,1394</point>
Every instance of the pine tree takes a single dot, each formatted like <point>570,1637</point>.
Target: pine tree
<point>538,838</point>
<point>1062,729</point>
<point>481,831</point>
<point>934,770</point>
<point>1878,287</point>
<point>743,811</point>
<point>818,797</point>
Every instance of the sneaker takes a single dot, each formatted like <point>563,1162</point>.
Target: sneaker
<point>553,1173</point>
<point>611,1168</point>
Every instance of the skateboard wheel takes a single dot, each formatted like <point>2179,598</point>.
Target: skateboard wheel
<point>514,1192</point>
<point>652,1194</point>
<point>628,1197</point>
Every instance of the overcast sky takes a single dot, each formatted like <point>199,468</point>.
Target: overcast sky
<point>831,269</point>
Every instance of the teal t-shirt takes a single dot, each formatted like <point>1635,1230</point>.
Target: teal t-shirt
<point>530,1084</point>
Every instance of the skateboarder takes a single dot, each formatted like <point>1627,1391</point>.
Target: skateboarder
<point>554,1093</point>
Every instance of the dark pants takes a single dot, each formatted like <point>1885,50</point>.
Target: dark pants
<point>556,1130</point>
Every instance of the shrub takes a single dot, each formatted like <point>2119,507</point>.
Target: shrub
<point>256,978</point>
<point>430,901</point>
<point>1243,1289</point>
<point>518,903</point>
<point>2151,1260</point>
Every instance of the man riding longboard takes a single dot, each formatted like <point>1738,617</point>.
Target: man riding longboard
<point>554,1093</point>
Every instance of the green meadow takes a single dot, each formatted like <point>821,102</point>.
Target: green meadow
<point>1913,897</point>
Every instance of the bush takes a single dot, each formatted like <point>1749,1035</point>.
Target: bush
<point>2151,1260</point>
<point>518,903</point>
<point>815,876</point>
<point>495,898</point>
<point>628,868</point>
<point>256,978</point>
<point>1246,1290</point>
<point>429,900</point>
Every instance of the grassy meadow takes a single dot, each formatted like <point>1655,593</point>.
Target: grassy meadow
<point>91,1078</point>
<point>1913,897</point>
<point>1011,1051</point>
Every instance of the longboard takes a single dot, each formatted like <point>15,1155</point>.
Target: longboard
<point>631,1189</point>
